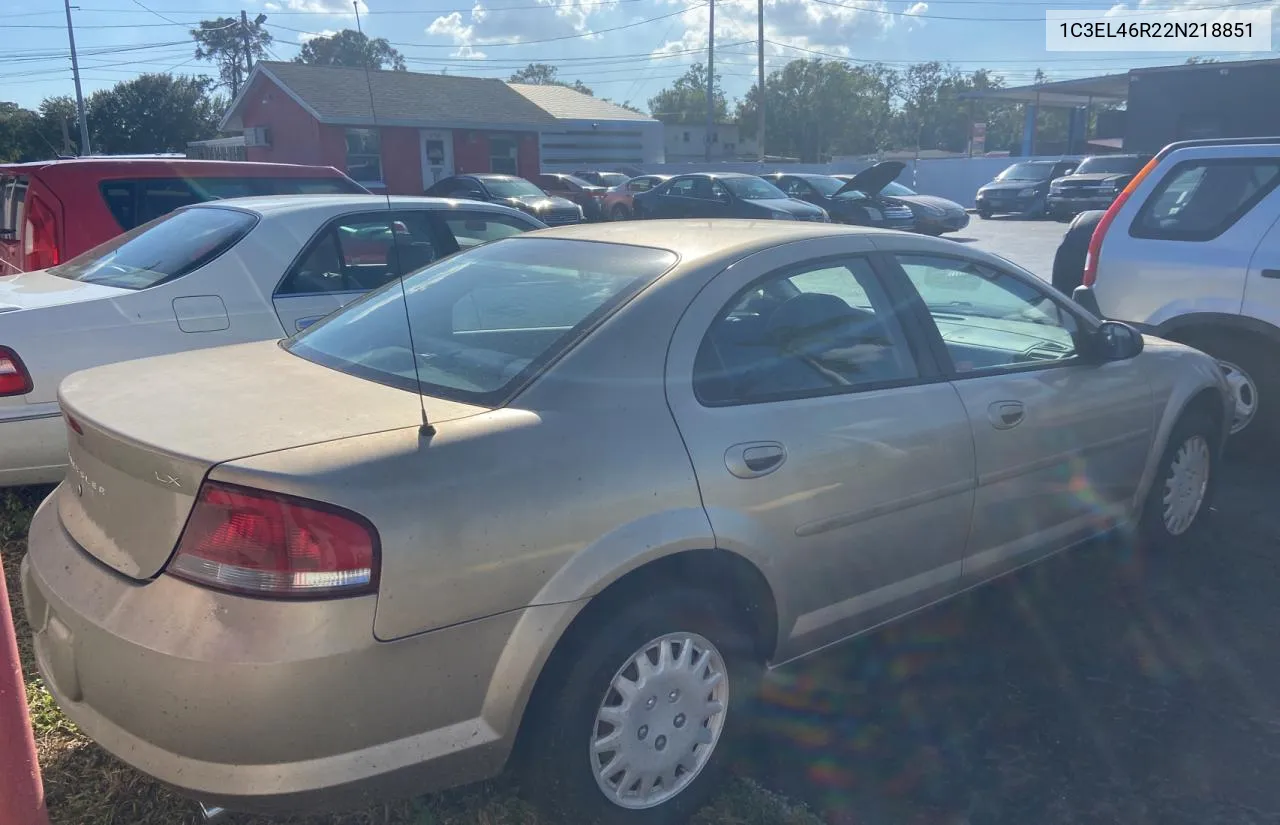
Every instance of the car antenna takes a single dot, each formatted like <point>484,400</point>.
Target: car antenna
<point>425,429</point>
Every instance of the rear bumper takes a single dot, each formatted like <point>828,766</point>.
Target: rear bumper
<point>33,445</point>
<point>259,705</point>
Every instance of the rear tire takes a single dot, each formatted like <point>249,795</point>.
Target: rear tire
<point>674,718</point>
<point>984,212</point>
<point>1181,494</point>
<point>1252,365</point>
<point>1068,261</point>
<point>619,212</point>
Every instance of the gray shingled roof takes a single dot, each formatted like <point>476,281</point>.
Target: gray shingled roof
<point>565,103</point>
<point>341,95</point>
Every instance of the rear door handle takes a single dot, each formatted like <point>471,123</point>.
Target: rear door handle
<point>1005,415</point>
<point>753,459</point>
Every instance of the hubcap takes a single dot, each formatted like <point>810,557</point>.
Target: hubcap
<point>659,721</point>
<point>1186,485</point>
<point>1245,394</point>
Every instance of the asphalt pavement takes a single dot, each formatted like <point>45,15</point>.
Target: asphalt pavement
<point>1102,686</point>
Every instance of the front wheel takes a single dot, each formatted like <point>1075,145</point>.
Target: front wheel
<point>635,727</point>
<point>984,212</point>
<point>1182,490</point>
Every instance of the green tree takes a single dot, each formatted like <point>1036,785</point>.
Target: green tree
<point>817,108</point>
<point>685,101</point>
<point>223,42</point>
<point>544,74</point>
<point>18,133</point>
<point>153,113</point>
<point>351,48</point>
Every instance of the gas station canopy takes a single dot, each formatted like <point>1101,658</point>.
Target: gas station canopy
<point>1086,91</point>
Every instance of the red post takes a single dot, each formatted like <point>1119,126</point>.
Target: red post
<point>21,794</point>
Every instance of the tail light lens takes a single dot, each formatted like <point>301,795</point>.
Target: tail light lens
<point>267,544</point>
<point>40,243</point>
<point>14,378</point>
<point>1099,231</point>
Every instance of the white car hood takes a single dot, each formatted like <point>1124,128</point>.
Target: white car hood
<point>32,290</point>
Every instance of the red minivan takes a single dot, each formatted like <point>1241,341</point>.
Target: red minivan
<point>54,210</point>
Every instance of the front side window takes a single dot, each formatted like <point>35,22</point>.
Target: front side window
<point>794,187</point>
<point>551,183</point>
<point>160,251</point>
<point>483,320</point>
<point>684,187</point>
<point>818,330</point>
<point>1198,200</point>
<point>989,319</point>
<point>364,155</point>
<point>640,184</point>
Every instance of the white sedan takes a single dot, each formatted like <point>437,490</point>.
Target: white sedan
<point>224,272</point>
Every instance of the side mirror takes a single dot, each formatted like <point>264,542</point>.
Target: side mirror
<point>1115,341</point>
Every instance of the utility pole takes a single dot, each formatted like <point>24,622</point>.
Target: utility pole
<point>711,79</point>
<point>760,77</point>
<point>244,35</point>
<point>75,74</point>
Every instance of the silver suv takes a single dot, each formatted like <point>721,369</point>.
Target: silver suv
<point>1190,251</point>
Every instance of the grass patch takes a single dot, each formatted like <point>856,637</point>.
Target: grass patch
<point>84,785</point>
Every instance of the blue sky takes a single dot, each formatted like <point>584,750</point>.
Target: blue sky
<point>626,50</point>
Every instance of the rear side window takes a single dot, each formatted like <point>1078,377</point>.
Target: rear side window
<point>160,251</point>
<point>1198,200</point>
<point>133,202</point>
<point>474,228</point>
<point>362,252</point>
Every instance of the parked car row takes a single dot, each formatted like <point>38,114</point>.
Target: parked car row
<point>1058,189</point>
<point>554,501</point>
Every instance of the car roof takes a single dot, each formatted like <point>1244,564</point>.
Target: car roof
<point>714,175</point>
<point>482,176</point>
<point>124,164</point>
<point>282,204</point>
<point>803,175</point>
<point>692,238</point>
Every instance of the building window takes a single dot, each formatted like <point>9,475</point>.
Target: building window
<point>715,136</point>
<point>686,137</point>
<point>364,155</point>
<point>503,154</point>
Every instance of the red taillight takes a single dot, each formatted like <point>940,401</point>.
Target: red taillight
<point>74,425</point>
<point>14,378</point>
<point>1095,242</point>
<point>40,242</point>
<point>268,544</point>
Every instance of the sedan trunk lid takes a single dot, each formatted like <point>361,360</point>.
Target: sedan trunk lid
<point>144,434</point>
<point>31,290</point>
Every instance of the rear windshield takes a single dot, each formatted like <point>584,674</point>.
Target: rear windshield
<point>160,251</point>
<point>133,202</point>
<point>1108,165</point>
<point>483,320</point>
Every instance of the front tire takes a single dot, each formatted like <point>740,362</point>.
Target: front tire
<point>641,711</point>
<point>1182,491</point>
<point>984,212</point>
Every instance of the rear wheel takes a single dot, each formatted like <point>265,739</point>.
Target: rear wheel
<point>642,707</point>
<point>1252,367</point>
<point>1182,491</point>
<point>984,212</point>
<point>619,212</point>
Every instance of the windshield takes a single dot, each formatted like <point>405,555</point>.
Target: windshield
<point>1026,171</point>
<point>1094,166</point>
<point>825,185</point>
<point>753,189</point>
<point>162,250</point>
<point>512,188</point>
<point>482,320</point>
<point>895,188</point>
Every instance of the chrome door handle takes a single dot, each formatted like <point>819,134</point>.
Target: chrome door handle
<point>1005,415</point>
<point>754,458</point>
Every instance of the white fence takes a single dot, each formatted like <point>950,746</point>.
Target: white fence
<point>956,179</point>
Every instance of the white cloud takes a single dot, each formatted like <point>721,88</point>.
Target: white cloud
<point>306,37</point>
<point>806,24</point>
<point>336,8</point>
<point>484,26</point>
<point>917,8</point>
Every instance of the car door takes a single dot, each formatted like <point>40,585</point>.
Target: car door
<point>676,200</point>
<point>712,200</point>
<point>825,444</point>
<point>350,256</point>
<point>800,190</point>
<point>1061,442</point>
